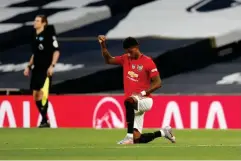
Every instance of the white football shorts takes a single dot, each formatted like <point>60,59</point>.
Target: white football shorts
<point>144,104</point>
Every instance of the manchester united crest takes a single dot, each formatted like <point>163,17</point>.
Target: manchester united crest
<point>139,67</point>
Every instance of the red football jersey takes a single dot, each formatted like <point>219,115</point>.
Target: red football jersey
<point>137,73</point>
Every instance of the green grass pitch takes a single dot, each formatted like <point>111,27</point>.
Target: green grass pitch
<point>101,144</point>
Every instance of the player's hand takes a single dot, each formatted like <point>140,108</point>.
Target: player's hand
<point>26,71</point>
<point>101,38</point>
<point>50,71</point>
<point>137,95</point>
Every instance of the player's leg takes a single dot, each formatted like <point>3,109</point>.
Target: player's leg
<point>45,101</point>
<point>38,95</point>
<point>135,108</point>
<point>37,98</point>
<point>38,83</point>
<point>148,137</point>
<point>145,105</point>
<point>35,86</point>
<point>130,105</point>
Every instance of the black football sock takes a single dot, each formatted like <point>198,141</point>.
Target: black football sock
<point>38,104</point>
<point>148,137</point>
<point>130,115</point>
<point>45,111</point>
<point>158,134</point>
<point>41,109</point>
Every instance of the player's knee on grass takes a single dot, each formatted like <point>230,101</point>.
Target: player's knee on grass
<point>131,103</point>
<point>145,138</point>
<point>136,134</point>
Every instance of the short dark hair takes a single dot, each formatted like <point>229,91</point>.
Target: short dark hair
<point>130,42</point>
<point>44,19</point>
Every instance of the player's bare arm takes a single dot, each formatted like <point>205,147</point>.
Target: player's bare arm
<point>54,61</point>
<point>155,84</point>
<point>27,69</point>
<point>55,57</point>
<point>56,52</point>
<point>30,61</point>
<point>107,56</point>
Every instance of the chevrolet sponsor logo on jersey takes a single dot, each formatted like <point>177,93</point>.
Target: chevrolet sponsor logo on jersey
<point>133,74</point>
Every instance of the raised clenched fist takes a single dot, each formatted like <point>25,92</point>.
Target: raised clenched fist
<point>101,38</point>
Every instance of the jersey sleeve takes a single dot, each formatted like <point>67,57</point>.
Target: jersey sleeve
<point>119,59</point>
<point>54,45</point>
<point>152,69</point>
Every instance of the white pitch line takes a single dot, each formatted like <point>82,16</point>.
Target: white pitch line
<point>121,147</point>
<point>124,160</point>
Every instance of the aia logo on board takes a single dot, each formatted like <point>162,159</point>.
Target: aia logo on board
<point>213,5</point>
<point>108,113</point>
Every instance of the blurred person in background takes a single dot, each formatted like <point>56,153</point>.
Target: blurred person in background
<point>45,54</point>
<point>141,78</point>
